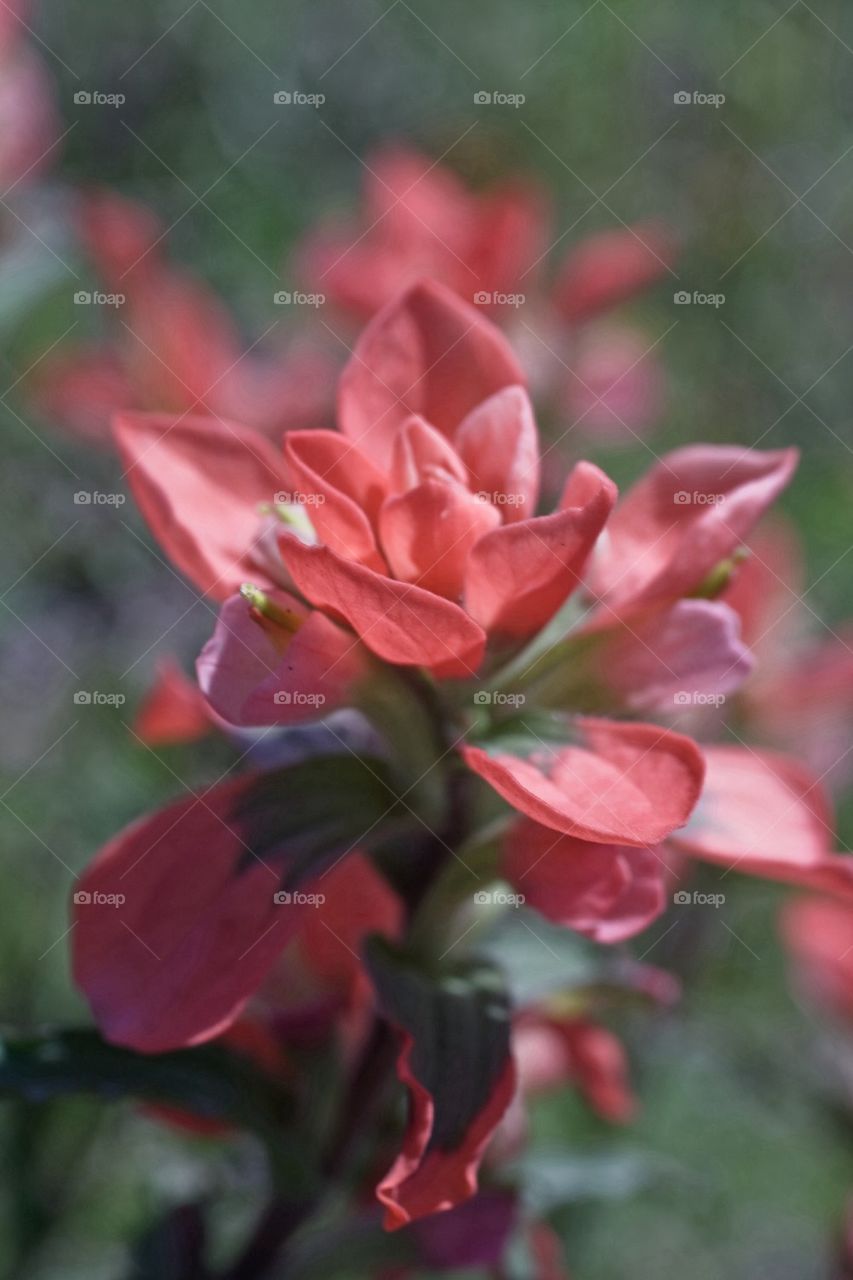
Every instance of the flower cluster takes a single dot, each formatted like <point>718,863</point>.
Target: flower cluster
<point>521,675</point>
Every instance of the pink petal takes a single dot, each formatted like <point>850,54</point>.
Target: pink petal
<point>519,575</point>
<point>427,353</point>
<point>689,513</point>
<point>422,453</point>
<point>400,622</point>
<point>626,784</point>
<point>758,812</point>
<point>687,652</point>
<point>254,672</point>
<point>606,892</point>
<point>428,532</point>
<point>199,483</point>
<point>348,489</point>
<point>499,444</point>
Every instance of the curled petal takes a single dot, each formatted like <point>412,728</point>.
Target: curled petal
<point>422,453</point>
<point>519,575</point>
<point>199,483</point>
<point>399,622</point>
<point>626,784</point>
<point>606,892</point>
<point>255,672</point>
<point>499,444</point>
<point>427,353</point>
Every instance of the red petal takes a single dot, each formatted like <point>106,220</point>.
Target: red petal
<point>199,482</point>
<point>760,813</point>
<point>399,622</point>
<point>427,353</point>
<point>499,444</point>
<point>606,892</point>
<point>198,930</point>
<point>690,512</point>
<point>256,673</point>
<point>428,532</point>
<point>174,709</point>
<point>611,266</point>
<point>628,784</point>
<point>519,575</point>
<point>350,490</point>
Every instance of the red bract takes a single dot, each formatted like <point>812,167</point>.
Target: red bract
<point>419,220</point>
<point>177,347</point>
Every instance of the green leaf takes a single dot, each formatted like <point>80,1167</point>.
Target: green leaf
<point>209,1081</point>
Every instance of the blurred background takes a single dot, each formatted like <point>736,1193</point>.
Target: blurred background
<point>729,124</point>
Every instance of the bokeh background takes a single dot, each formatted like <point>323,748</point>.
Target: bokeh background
<point>741,1161</point>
